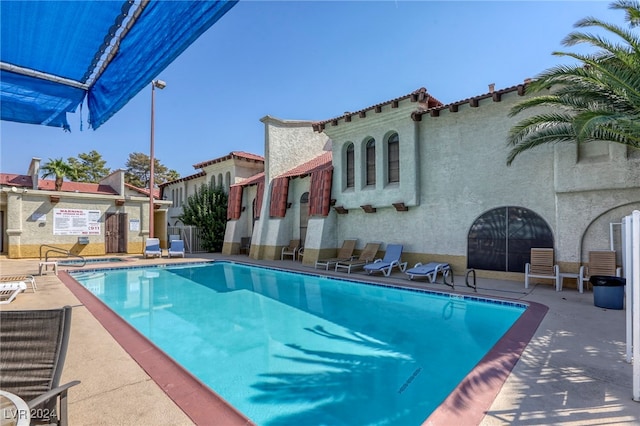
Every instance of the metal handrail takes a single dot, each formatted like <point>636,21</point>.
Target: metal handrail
<point>59,250</point>
<point>466,278</point>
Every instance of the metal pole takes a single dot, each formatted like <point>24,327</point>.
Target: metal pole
<point>151,162</point>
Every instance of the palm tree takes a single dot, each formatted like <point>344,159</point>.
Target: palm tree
<point>597,100</point>
<point>60,169</point>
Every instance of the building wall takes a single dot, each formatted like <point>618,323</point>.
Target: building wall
<point>226,172</point>
<point>287,144</point>
<point>29,222</point>
<point>459,160</point>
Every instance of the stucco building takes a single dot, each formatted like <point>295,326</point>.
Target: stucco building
<point>434,178</point>
<point>84,218</point>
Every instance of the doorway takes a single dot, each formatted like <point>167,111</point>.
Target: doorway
<point>115,233</point>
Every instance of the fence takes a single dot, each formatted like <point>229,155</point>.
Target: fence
<point>190,235</point>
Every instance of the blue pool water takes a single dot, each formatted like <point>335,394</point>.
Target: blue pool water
<point>286,348</point>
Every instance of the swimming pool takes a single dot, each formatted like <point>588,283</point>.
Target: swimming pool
<point>302,349</point>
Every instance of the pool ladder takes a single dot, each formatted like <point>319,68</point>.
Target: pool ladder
<point>61,251</point>
<point>471,272</point>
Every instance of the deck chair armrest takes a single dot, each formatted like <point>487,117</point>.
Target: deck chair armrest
<point>377,260</point>
<point>403,266</point>
<point>417,264</point>
<point>60,390</point>
<point>618,271</point>
<point>527,268</point>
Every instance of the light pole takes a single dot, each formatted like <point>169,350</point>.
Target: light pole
<point>160,85</point>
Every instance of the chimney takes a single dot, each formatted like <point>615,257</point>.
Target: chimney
<point>34,172</point>
<point>492,87</point>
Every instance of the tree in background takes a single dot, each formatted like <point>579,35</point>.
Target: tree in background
<point>90,167</point>
<point>137,173</point>
<point>207,210</point>
<point>597,100</point>
<point>60,169</point>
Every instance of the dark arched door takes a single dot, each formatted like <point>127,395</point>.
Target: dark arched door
<point>501,239</point>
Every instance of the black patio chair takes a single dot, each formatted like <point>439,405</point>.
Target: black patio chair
<point>33,347</point>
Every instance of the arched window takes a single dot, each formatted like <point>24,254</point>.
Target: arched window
<point>219,180</point>
<point>501,239</point>
<point>393,159</point>
<point>227,182</point>
<point>370,158</point>
<point>350,166</point>
<point>213,181</point>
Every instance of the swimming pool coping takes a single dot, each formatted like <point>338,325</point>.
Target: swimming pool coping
<point>466,404</point>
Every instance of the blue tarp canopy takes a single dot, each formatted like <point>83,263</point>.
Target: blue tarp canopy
<point>54,53</point>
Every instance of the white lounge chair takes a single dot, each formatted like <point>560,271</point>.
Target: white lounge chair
<point>429,270</point>
<point>27,279</point>
<point>390,260</point>
<point>152,248</point>
<point>176,249</point>
<point>9,291</point>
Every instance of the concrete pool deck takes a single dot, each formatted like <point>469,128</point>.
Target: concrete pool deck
<point>572,372</point>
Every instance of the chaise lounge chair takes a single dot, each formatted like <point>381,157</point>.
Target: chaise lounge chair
<point>290,250</point>
<point>176,249</point>
<point>542,265</point>
<point>152,248</point>
<point>344,254</point>
<point>367,255</point>
<point>34,346</point>
<point>429,270</point>
<point>9,291</point>
<point>390,260</point>
<point>601,262</point>
<point>27,279</point>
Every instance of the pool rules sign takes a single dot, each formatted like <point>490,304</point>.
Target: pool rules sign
<point>76,222</point>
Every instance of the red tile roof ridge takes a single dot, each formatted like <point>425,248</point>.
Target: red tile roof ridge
<point>233,154</point>
<point>416,94</point>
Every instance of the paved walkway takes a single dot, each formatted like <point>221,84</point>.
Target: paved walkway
<point>573,372</point>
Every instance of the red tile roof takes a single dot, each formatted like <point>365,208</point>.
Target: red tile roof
<point>183,179</point>
<point>85,188</point>
<point>12,179</point>
<point>143,191</point>
<point>252,180</point>
<point>421,95</point>
<point>473,101</point>
<point>241,155</point>
<point>24,181</point>
<point>320,162</point>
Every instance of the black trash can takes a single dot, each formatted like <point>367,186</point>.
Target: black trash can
<point>608,292</point>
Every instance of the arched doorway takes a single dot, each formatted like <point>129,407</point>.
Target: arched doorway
<point>501,239</point>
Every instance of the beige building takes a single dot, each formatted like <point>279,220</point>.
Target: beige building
<point>82,218</point>
<point>434,178</point>
<point>224,171</point>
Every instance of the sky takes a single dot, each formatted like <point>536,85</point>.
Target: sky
<point>307,60</point>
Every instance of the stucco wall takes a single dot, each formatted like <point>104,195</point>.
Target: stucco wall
<point>30,222</point>
<point>460,160</point>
